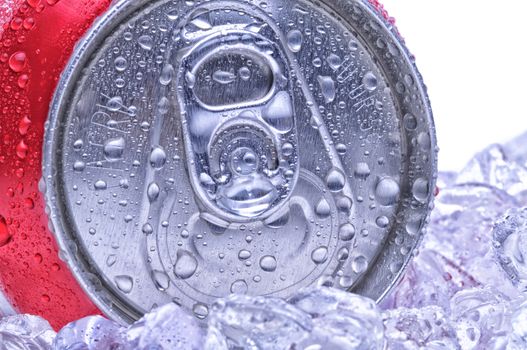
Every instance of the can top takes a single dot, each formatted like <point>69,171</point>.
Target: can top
<point>200,148</point>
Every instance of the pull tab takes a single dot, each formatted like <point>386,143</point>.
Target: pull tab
<point>238,119</point>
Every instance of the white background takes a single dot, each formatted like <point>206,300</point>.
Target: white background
<point>473,57</point>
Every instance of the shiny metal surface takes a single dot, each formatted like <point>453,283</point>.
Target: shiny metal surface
<point>197,149</point>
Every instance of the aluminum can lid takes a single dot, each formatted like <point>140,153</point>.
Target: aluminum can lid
<point>201,148</point>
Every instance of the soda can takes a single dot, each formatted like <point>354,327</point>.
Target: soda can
<point>200,148</point>
<point>36,41</point>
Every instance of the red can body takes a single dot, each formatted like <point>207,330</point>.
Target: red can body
<point>37,41</point>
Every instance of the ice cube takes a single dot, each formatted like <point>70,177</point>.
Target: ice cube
<point>456,252</point>
<point>258,323</point>
<point>431,279</point>
<point>446,179</point>
<point>341,320</point>
<point>463,218</point>
<point>516,149</point>
<point>461,233</point>
<point>25,332</point>
<point>518,337</point>
<point>492,167</point>
<point>426,328</point>
<point>90,333</point>
<point>510,245</point>
<point>167,327</point>
<point>482,317</point>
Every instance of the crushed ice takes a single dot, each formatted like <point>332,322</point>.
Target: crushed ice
<point>466,289</point>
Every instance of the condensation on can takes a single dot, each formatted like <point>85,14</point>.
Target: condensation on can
<point>196,149</point>
<point>36,40</point>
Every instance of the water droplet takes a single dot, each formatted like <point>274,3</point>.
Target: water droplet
<point>395,266</point>
<point>38,258</point>
<point>359,264</point>
<point>22,81</point>
<point>153,192</point>
<point>120,64</point>
<point>5,236</point>
<point>244,161</point>
<point>421,189</point>
<point>343,254</point>
<point>201,311</point>
<point>400,88</point>
<point>147,229</point>
<point>387,192</point>
<point>294,40</point>
<point>114,149</point>
<point>123,183</point>
<point>163,105</point>
<point>167,74</point>
<point>115,103</point>
<point>334,61</point>
<point>146,42</point>
<point>244,254</point>
<point>413,227</point>
<point>120,83</point>
<point>382,221</point>
<point>239,287</point>
<point>319,255</point>
<point>173,14</point>
<point>341,149</point>
<point>186,264</point>
<point>245,73</point>
<point>327,88</point>
<point>353,45</point>
<point>410,122</point>
<point>77,145</point>
<point>223,77</point>
<point>344,204</point>
<point>279,112</point>
<point>18,61</point>
<point>79,166</point>
<point>124,283</point>
<point>100,185</point>
<point>323,210</point>
<point>23,125</point>
<point>111,260</point>
<point>145,126</point>
<point>347,232</point>
<point>424,141</point>
<point>161,280</point>
<point>29,203</point>
<point>268,263</point>
<point>16,23</point>
<point>335,180</point>
<point>346,281</point>
<point>288,149</point>
<point>158,158</point>
<point>370,81</point>
<point>362,170</point>
<point>21,149</point>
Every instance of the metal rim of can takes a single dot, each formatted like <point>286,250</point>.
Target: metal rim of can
<point>357,15</point>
